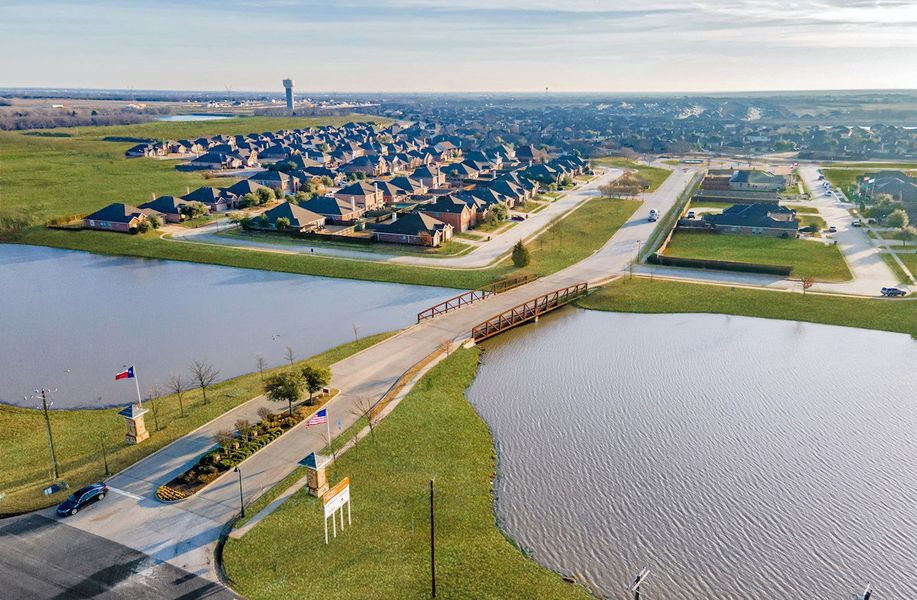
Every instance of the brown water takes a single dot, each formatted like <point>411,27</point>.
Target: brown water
<point>71,320</point>
<point>735,457</point>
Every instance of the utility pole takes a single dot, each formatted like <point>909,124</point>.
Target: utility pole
<point>44,404</point>
<point>432,545</point>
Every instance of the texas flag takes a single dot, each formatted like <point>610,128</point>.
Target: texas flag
<point>126,374</point>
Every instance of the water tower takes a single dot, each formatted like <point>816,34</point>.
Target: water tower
<point>288,86</point>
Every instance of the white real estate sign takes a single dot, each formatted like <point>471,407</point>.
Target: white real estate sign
<point>334,501</point>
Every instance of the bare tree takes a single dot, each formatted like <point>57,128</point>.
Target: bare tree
<point>205,374</point>
<point>262,364</point>
<point>363,407</point>
<point>152,396</point>
<point>241,427</point>
<point>224,438</point>
<point>176,385</point>
<point>290,355</point>
<point>445,345</point>
<point>806,282</point>
<point>265,414</point>
<point>356,331</point>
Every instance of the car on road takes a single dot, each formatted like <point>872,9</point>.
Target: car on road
<point>82,498</point>
<point>519,217</point>
<point>692,214</point>
<point>857,223</point>
<point>654,215</point>
<point>832,229</point>
<point>893,292</point>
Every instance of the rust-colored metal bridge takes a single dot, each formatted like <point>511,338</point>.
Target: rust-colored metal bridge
<point>528,311</point>
<point>472,296</point>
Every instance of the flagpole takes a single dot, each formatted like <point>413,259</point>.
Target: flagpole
<point>137,383</point>
<point>328,427</point>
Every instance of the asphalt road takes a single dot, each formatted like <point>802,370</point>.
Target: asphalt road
<point>42,559</point>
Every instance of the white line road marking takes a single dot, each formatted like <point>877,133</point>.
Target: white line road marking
<point>123,493</point>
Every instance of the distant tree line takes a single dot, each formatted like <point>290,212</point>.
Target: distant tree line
<point>45,118</point>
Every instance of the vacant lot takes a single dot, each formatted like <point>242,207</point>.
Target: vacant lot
<point>654,175</point>
<point>825,263</point>
<point>78,171</point>
<point>434,433</point>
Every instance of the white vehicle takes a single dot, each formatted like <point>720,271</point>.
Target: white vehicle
<point>692,214</point>
<point>654,215</point>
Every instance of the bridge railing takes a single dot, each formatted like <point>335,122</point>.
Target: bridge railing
<point>527,311</point>
<point>454,303</point>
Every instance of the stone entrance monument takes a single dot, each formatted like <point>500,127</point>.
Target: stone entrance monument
<point>316,473</point>
<point>136,429</point>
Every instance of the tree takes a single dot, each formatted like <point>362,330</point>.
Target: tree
<point>290,355</point>
<point>224,438</point>
<point>192,210</point>
<point>281,224</point>
<point>315,379</point>
<point>261,365</point>
<point>278,194</point>
<point>205,374</point>
<point>265,414</point>
<point>248,199</point>
<point>363,407</point>
<point>152,396</point>
<point>897,218</point>
<point>284,387</point>
<point>806,282</point>
<point>241,428</point>
<point>906,234</point>
<point>264,195</point>
<point>521,256</point>
<point>176,385</point>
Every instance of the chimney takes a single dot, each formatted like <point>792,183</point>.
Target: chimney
<point>353,203</point>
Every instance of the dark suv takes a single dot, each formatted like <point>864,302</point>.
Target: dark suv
<point>81,498</point>
<point>893,292</point>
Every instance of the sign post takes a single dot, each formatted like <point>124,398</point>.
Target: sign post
<point>334,500</point>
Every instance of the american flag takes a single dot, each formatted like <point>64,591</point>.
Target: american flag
<point>318,418</point>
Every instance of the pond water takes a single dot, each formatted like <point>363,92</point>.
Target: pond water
<point>735,457</point>
<point>71,320</point>
<point>184,118</point>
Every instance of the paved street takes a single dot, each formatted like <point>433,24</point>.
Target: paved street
<point>483,255</point>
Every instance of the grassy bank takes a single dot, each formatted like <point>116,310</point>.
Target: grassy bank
<point>825,263</point>
<point>47,177</point>
<point>654,175</point>
<point>78,434</point>
<point>450,248</point>
<point>566,242</point>
<point>643,295</point>
<point>385,554</point>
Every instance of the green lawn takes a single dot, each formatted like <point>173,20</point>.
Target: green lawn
<point>567,241</point>
<point>46,177</point>
<point>434,433</point>
<point>642,295</point>
<point>825,263</point>
<point>654,175</point>
<point>846,178</point>
<point>24,452</point>
<point>910,260</point>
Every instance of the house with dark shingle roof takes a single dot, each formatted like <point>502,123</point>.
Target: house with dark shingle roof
<point>365,195</point>
<point>119,216</point>
<point>762,218</point>
<point>334,210</point>
<point>414,228</point>
<point>276,180</point>
<point>170,207</point>
<point>755,180</point>
<point>451,210</point>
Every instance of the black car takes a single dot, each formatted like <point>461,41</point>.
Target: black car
<point>891,292</point>
<point>81,498</point>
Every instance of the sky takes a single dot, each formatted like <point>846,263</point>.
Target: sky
<point>461,45</point>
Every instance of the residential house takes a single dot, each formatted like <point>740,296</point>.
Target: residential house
<point>334,210</point>
<point>755,219</point>
<point>451,210</point>
<point>300,219</point>
<point>216,199</point>
<point>365,195</point>
<point>119,217</point>
<point>414,228</point>
<point>458,174</point>
<point>276,180</point>
<point>530,155</point>
<point>217,161</point>
<point>431,177</point>
<point>170,207</point>
<point>757,181</point>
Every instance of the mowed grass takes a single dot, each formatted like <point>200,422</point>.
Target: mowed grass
<point>567,241</point>
<point>654,175</point>
<point>78,434</point>
<point>452,247</point>
<point>434,433</point>
<point>846,178</point>
<point>825,263</point>
<point>47,177</point>
<point>643,295</point>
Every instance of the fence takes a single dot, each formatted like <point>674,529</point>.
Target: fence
<point>719,265</point>
<point>527,311</point>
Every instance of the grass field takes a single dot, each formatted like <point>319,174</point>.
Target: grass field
<point>654,175</point>
<point>642,295</point>
<point>564,243</point>
<point>910,260</point>
<point>434,433</point>
<point>846,178</point>
<point>78,434</point>
<point>46,177</point>
<point>825,263</point>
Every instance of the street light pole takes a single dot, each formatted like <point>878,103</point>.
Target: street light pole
<point>44,405</point>
<point>432,545</point>
<point>241,497</point>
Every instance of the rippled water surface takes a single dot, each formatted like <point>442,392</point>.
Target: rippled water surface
<point>736,457</point>
<point>71,320</point>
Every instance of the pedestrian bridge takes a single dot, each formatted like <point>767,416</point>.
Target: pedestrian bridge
<point>528,311</point>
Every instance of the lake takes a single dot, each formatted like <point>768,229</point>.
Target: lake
<point>71,320</point>
<point>735,457</point>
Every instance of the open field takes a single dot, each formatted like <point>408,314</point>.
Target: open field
<point>434,433</point>
<point>654,175</point>
<point>78,433</point>
<point>910,260</point>
<point>643,295</point>
<point>567,241</point>
<point>825,263</point>
<point>895,267</point>
<point>45,177</point>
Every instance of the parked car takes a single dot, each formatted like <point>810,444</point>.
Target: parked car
<point>832,229</point>
<point>518,217</point>
<point>857,223</point>
<point>692,214</point>
<point>654,215</point>
<point>893,292</point>
<point>82,498</point>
